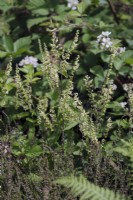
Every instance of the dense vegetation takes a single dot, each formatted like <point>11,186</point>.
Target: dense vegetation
<point>66,99</point>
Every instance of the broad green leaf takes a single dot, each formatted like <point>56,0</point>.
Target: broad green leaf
<point>3,54</point>
<point>9,87</point>
<point>105,57</point>
<point>40,11</point>
<point>126,54</point>
<point>81,7</point>
<point>117,63</point>
<point>98,71</point>
<point>33,4</point>
<point>35,21</point>
<point>119,60</point>
<point>86,38</point>
<point>60,9</point>
<point>8,43</point>
<point>5,5</point>
<point>129,61</point>
<point>124,70</point>
<point>22,43</point>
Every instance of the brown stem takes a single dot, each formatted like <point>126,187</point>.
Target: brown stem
<point>112,8</point>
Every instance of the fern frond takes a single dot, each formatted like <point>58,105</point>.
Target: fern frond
<point>86,190</point>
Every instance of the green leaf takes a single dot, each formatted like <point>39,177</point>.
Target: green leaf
<point>81,7</point>
<point>119,60</point>
<point>131,74</point>
<point>33,4</point>
<point>21,115</point>
<point>34,80</point>
<point>31,133</point>
<point>8,43</point>
<point>41,11</point>
<point>3,54</point>
<point>5,5</point>
<point>95,2</point>
<point>126,54</point>
<point>35,21</point>
<point>129,61</point>
<point>22,43</point>
<point>105,57</point>
<point>70,125</point>
<point>124,70</point>
<point>28,69</point>
<point>84,189</point>
<point>118,63</point>
<point>98,71</point>
<point>86,38</point>
<point>74,13</point>
<point>34,151</point>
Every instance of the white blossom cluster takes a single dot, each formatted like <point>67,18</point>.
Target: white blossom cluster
<point>105,43</point>
<point>104,40</point>
<point>72,4</point>
<point>29,60</point>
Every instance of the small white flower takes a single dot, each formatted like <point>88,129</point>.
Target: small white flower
<point>72,4</point>
<point>114,87</point>
<point>123,104</point>
<point>125,87</point>
<point>29,60</point>
<point>106,33</point>
<point>119,50</point>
